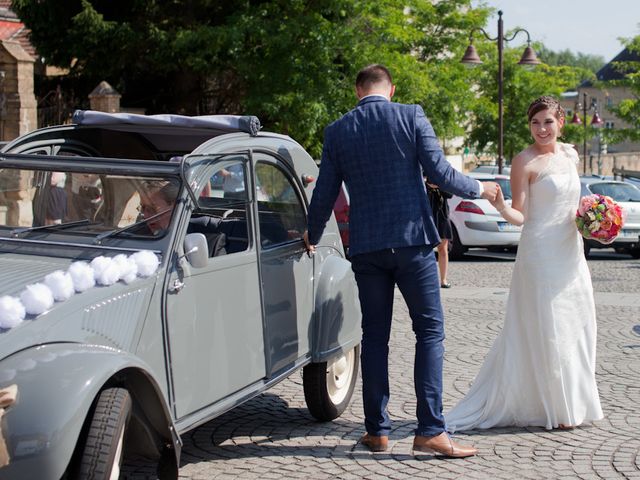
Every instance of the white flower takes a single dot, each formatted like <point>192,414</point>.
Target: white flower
<point>61,285</point>
<point>147,262</point>
<point>105,270</point>
<point>82,276</point>
<point>37,298</point>
<point>12,311</point>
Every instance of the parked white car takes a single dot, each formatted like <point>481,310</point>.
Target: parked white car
<point>476,223</point>
<point>628,197</point>
<point>491,169</point>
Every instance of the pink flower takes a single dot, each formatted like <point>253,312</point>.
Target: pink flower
<point>600,218</point>
<point>586,203</point>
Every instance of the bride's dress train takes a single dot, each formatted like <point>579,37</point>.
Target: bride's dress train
<point>541,369</point>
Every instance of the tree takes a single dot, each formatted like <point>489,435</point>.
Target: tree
<point>591,63</point>
<point>628,109</point>
<point>520,86</point>
<point>290,62</point>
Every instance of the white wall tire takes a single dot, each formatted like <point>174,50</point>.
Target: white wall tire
<point>329,386</point>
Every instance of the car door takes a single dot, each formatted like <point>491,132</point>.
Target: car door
<point>286,271</point>
<point>214,314</point>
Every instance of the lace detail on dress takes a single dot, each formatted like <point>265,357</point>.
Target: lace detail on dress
<point>557,163</point>
<point>570,151</point>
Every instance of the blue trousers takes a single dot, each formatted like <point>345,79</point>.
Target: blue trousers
<point>414,270</point>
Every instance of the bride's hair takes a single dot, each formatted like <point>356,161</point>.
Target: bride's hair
<point>545,102</point>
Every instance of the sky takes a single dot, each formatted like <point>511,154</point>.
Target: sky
<point>582,26</point>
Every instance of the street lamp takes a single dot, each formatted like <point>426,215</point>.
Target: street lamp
<point>528,58</point>
<point>595,121</point>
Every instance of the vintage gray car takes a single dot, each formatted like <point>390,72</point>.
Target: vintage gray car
<point>153,275</point>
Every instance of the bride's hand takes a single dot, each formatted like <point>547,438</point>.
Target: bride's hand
<point>499,202</point>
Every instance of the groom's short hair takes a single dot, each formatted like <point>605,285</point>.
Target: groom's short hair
<point>373,75</point>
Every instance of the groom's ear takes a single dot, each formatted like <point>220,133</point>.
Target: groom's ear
<point>392,91</point>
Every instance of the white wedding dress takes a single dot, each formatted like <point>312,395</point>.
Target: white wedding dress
<point>541,369</point>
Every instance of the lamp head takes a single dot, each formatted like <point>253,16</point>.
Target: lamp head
<point>596,120</point>
<point>576,119</point>
<point>529,57</point>
<point>471,57</point>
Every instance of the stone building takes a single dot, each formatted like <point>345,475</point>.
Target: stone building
<point>18,106</point>
<point>601,158</point>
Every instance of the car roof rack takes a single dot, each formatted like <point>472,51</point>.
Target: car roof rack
<point>230,123</point>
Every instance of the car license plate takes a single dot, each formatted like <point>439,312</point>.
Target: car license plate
<point>629,233</point>
<point>507,227</point>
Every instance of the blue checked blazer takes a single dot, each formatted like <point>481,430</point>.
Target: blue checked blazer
<point>380,150</point>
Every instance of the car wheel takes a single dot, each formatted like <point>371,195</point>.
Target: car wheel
<point>457,250</point>
<point>103,445</point>
<point>587,248</point>
<point>328,386</point>
<point>635,252</point>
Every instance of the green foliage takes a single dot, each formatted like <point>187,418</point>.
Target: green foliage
<point>520,87</point>
<point>591,63</point>
<point>291,62</point>
<point>628,110</point>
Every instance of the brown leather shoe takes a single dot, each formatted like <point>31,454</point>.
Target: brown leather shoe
<point>375,443</point>
<point>442,445</point>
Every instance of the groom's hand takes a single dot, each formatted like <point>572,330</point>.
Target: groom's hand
<point>311,249</point>
<point>490,191</point>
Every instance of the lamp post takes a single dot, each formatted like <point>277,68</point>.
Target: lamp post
<point>596,121</point>
<point>528,58</point>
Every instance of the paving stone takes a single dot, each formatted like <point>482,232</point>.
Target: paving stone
<point>273,437</point>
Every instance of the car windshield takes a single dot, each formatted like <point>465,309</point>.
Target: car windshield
<point>36,202</point>
<point>620,192</point>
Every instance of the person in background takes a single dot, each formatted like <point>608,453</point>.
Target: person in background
<point>56,208</point>
<point>440,208</point>
<point>157,200</point>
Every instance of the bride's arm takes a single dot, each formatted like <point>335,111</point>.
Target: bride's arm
<point>519,191</point>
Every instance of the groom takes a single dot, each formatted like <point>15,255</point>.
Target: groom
<point>380,150</point>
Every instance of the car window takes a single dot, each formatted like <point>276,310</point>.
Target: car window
<point>280,211</point>
<point>86,203</point>
<point>222,208</point>
<point>620,192</point>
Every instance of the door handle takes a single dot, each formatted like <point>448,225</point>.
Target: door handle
<point>177,286</point>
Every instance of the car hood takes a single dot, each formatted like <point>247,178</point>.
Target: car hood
<point>102,315</point>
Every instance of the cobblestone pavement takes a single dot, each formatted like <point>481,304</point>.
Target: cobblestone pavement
<point>273,436</point>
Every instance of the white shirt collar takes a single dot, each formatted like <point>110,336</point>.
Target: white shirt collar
<point>374,95</point>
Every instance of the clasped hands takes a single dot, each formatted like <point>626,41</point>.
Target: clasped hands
<point>493,193</point>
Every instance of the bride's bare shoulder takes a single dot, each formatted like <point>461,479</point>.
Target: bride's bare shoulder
<point>524,159</point>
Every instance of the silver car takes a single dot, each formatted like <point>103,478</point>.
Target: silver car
<point>153,276</point>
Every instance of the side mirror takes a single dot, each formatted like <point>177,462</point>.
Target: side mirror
<point>196,250</point>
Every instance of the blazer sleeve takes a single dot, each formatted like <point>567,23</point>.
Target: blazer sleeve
<point>434,163</point>
<point>325,193</point>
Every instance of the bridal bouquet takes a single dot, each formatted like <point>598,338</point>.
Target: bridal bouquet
<point>599,218</point>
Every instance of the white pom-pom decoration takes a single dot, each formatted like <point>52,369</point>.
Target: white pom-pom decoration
<point>12,311</point>
<point>128,268</point>
<point>82,276</point>
<point>105,270</point>
<point>36,298</point>
<point>61,285</point>
<point>147,262</point>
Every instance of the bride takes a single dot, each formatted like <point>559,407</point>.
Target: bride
<point>541,369</point>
